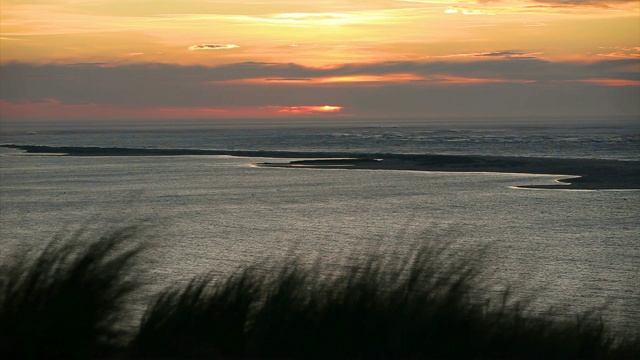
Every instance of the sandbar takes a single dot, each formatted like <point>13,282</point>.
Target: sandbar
<point>582,174</point>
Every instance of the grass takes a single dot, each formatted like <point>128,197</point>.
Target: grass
<point>67,301</point>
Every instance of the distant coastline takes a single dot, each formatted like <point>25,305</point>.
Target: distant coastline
<point>583,174</point>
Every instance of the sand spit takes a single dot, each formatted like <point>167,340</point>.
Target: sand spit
<point>591,174</point>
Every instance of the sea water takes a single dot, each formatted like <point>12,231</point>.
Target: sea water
<point>610,138</point>
<point>574,250</point>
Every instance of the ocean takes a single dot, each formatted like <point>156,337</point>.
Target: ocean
<point>567,249</point>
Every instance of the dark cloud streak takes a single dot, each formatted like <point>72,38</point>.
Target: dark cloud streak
<point>508,54</point>
<point>555,87</point>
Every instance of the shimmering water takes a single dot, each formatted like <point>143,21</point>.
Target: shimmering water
<point>573,249</point>
<point>617,138</point>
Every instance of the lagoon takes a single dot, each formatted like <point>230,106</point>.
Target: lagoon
<point>574,250</point>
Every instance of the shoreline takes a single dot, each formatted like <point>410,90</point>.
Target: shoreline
<point>582,174</point>
<point>574,174</point>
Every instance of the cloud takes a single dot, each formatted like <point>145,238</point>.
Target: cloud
<point>289,79</point>
<point>12,39</point>
<point>508,54</point>
<point>311,16</point>
<point>584,2</point>
<point>45,109</point>
<point>493,83</point>
<point>307,109</point>
<point>504,54</point>
<point>89,64</point>
<point>510,65</point>
<point>612,82</point>
<point>466,11</point>
<point>343,17</point>
<point>203,47</point>
<point>349,79</point>
<point>621,52</point>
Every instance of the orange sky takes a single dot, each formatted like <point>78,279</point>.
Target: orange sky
<point>307,52</point>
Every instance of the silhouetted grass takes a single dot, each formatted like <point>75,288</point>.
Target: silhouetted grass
<point>378,310</point>
<point>198,321</point>
<point>66,303</point>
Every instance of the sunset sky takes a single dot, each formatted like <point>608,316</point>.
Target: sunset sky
<point>185,59</point>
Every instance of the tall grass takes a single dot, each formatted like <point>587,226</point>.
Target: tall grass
<point>420,309</point>
<point>198,320</point>
<point>67,301</point>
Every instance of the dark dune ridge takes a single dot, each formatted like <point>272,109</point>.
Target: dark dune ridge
<point>580,174</point>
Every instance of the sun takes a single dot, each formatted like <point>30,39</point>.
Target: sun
<point>330,108</point>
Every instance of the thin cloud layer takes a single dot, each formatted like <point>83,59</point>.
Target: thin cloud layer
<point>307,109</point>
<point>621,52</point>
<point>505,65</point>
<point>204,47</point>
<point>601,3</point>
<point>509,54</point>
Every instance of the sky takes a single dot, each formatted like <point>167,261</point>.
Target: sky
<point>391,59</point>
